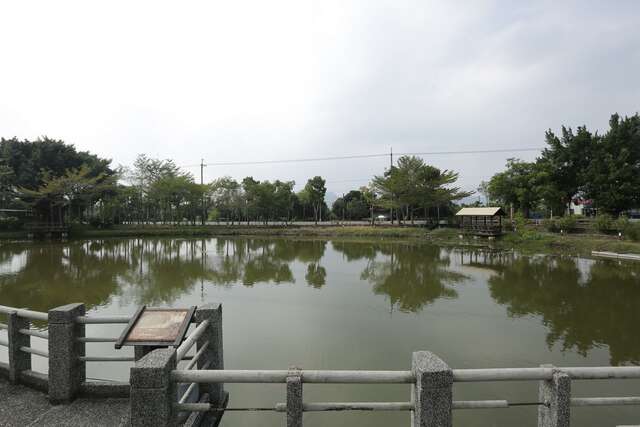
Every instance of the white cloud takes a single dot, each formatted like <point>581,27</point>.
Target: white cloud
<point>255,80</point>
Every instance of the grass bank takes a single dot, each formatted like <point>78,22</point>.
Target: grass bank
<point>530,241</point>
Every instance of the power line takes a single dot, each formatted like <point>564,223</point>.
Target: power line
<point>362,156</point>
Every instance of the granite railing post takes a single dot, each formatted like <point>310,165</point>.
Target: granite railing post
<point>214,353</point>
<point>294,398</point>
<point>432,391</point>
<point>153,394</point>
<point>66,371</point>
<point>18,360</point>
<point>556,395</point>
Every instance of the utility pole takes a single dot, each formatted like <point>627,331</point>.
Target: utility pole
<point>390,166</point>
<point>203,192</point>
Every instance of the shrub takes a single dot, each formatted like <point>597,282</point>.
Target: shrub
<point>550,224</point>
<point>634,231</point>
<point>519,222</point>
<point>622,224</point>
<point>629,230</point>
<point>567,223</point>
<point>603,223</point>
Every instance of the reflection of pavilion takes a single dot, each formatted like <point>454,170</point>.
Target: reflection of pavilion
<point>487,259</point>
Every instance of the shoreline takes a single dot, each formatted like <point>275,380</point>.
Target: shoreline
<point>537,242</point>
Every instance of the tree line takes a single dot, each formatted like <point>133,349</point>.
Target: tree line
<point>603,169</point>
<point>49,181</point>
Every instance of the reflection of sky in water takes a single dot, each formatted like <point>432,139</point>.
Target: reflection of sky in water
<point>14,264</point>
<point>354,305</point>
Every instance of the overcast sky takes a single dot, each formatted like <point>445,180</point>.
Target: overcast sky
<point>242,81</point>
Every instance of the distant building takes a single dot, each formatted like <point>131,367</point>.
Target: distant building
<point>579,206</point>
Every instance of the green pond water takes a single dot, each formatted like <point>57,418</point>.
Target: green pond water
<point>340,304</point>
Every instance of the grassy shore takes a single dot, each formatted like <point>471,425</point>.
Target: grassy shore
<point>530,241</point>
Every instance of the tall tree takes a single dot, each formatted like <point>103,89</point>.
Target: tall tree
<point>516,186</point>
<point>612,179</point>
<point>316,190</point>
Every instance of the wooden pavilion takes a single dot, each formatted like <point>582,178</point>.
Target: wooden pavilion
<point>481,221</point>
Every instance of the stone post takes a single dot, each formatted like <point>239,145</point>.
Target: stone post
<point>294,398</point>
<point>152,391</point>
<point>432,392</point>
<point>18,360</point>
<point>66,371</point>
<point>556,394</point>
<point>214,353</point>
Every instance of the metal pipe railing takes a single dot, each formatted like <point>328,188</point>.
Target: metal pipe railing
<point>403,377</point>
<point>280,376</point>
<point>86,320</point>
<point>528,374</point>
<point>192,386</point>
<point>106,359</point>
<point>4,326</point>
<point>196,356</point>
<point>347,406</point>
<point>96,339</point>
<point>34,333</point>
<point>191,340</point>
<point>27,314</point>
<point>4,343</point>
<point>35,351</point>
<point>605,401</point>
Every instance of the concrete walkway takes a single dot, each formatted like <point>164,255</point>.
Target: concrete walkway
<point>21,406</point>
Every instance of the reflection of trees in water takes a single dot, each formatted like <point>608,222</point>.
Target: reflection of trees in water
<point>582,310</point>
<point>412,276</point>
<point>157,271</point>
<point>252,261</point>
<point>58,274</point>
<point>316,275</point>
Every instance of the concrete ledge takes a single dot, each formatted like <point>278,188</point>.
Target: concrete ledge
<point>35,380</point>
<point>105,389</point>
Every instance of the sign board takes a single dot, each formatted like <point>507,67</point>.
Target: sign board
<point>156,327</point>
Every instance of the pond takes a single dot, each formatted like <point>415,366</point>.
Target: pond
<point>355,304</point>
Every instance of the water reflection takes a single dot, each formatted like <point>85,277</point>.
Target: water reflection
<point>584,304</point>
<point>410,275</point>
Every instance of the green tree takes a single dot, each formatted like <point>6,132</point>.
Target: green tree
<point>612,179</point>
<point>516,186</point>
<point>57,193</point>
<point>316,191</point>
<point>414,185</point>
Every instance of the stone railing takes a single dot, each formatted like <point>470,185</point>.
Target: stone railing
<point>185,385</point>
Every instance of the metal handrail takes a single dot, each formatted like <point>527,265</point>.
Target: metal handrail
<point>4,343</point>
<point>605,401</point>
<point>4,326</point>
<point>403,377</point>
<point>280,376</point>
<point>28,314</point>
<point>34,333</point>
<point>106,358</point>
<point>524,374</point>
<point>196,356</point>
<point>96,339</point>
<point>192,386</point>
<point>35,351</point>
<point>86,320</point>
<point>191,340</point>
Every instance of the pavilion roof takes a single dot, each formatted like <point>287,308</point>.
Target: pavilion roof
<point>490,211</point>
